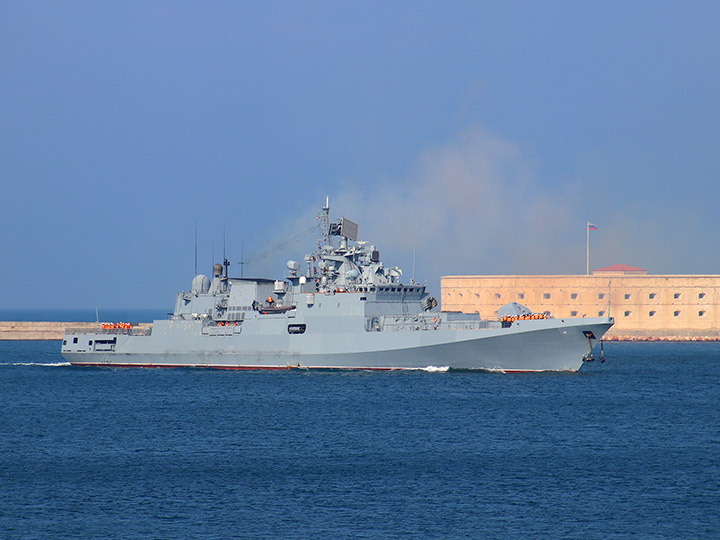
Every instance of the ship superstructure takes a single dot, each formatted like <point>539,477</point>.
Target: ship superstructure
<point>340,308</point>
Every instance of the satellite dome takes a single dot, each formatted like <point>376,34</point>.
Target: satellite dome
<point>293,265</point>
<point>200,284</point>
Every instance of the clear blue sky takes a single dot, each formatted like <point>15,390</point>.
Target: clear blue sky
<point>481,136</point>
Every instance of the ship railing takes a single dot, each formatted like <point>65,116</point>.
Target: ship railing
<point>213,330</point>
<point>137,331</point>
<point>402,324</point>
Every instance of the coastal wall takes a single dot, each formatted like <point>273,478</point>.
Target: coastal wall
<point>43,330</point>
<point>645,307</point>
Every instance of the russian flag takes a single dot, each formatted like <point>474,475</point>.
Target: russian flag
<point>591,227</point>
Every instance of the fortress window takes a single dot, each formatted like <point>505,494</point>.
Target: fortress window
<point>477,295</point>
<point>627,297</point>
<point>701,313</point>
<point>546,295</point>
<point>573,296</point>
<point>497,295</point>
<point>651,295</point>
<point>676,295</point>
<point>601,313</point>
<point>573,313</point>
<point>676,313</point>
<point>701,295</point>
<point>521,295</point>
<point>601,296</point>
<point>627,313</point>
<point>651,314</point>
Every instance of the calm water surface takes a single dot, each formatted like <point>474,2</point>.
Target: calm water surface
<point>625,449</point>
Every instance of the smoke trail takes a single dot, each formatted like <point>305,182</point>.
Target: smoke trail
<point>471,206</point>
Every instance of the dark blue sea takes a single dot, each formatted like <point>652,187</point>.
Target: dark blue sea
<point>625,449</point>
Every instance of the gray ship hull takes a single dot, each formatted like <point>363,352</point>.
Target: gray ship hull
<point>527,346</point>
<point>344,310</point>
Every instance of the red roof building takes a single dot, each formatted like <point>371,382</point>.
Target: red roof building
<point>620,270</point>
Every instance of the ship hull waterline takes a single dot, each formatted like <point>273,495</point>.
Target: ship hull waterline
<point>536,348</point>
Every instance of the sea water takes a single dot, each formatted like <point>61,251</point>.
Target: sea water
<point>625,449</point>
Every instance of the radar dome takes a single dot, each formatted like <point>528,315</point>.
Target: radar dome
<point>513,309</point>
<point>293,265</point>
<point>200,283</point>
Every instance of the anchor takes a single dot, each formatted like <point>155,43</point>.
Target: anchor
<point>589,357</point>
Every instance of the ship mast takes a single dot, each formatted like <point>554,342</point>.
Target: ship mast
<point>324,218</point>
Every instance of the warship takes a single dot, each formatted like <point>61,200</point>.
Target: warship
<point>342,308</point>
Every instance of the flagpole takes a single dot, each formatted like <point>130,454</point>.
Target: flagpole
<point>587,247</point>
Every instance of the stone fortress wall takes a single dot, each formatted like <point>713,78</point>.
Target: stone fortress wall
<point>43,330</point>
<point>672,307</point>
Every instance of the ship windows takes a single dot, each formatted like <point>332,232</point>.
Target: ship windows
<point>363,298</point>
<point>521,296</point>
<point>651,295</point>
<point>651,314</point>
<point>627,313</point>
<point>573,296</point>
<point>601,296</point>
<point>701,313</point>
<point>676,313</point>
<point>75,340</point>
<point>573,313</point>
<point>64,341</point>
<point>90,343</point>
<point>546,296</point>
<point>497,295</point>
<point>627,297</point>
<point>676,295</point>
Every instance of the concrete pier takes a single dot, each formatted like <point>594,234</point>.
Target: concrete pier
<point>43,330</point>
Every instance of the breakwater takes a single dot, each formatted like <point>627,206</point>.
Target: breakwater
<point>44,330</point>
